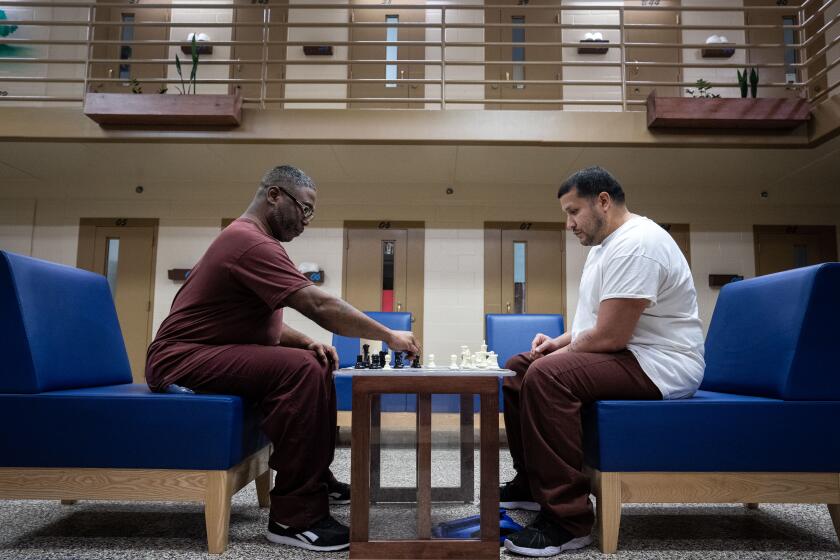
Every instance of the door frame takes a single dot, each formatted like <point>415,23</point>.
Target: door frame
<point>830,231</point>
<point>87,245</point>
<point>493,256</point>
<point>415,262</point>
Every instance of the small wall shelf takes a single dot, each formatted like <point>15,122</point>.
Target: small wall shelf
<point>202,49</point>
<point>592,49</point>
<point>721,50</point>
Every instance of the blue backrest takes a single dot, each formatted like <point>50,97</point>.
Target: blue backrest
<point>58,328</point>
<point>348,348</point>
<point>775,336</point>
<point>509,334</point>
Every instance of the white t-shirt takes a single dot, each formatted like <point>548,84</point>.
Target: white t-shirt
<point>641,260</point>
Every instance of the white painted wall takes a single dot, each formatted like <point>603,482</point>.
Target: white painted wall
<point>713,73</point>
<point>455,71</point>
<point>596,19</point>
<point>316,35</point>
<point>205,71</point>
<point>453,291</point>
<point>41,32</point>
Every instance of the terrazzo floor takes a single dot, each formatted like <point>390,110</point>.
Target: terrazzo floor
<point>125,531</point>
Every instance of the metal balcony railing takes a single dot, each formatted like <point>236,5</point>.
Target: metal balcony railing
<point>531,54</point>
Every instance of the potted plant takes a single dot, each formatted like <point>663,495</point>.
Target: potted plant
<point>186,109</point>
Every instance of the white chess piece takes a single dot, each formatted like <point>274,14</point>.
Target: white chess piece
<point>431,362</point>
<point>465,357</point>
<point>493,361</point>
<point>387,361</point>
<point>453,361</point>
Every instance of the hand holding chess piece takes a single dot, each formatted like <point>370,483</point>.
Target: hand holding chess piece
<point>404,341</point>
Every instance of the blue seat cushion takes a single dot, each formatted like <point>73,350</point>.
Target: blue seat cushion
<point>712,432</point>
<point>127,426</point>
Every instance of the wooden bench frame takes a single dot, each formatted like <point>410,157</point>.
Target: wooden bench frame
<point>214,488</point>
<point>612,489</point>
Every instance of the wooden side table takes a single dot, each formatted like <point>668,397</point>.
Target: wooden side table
<point>367,385</point>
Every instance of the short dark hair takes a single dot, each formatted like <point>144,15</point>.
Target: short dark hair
<point>592,181</point>
<point>287,176</point>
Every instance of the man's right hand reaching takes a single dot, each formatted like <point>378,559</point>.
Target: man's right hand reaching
<point>404,341</point>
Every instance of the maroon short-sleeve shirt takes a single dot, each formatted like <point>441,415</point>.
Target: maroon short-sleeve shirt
<point>234,295</point>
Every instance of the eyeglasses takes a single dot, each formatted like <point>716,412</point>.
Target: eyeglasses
<point>305,209</point>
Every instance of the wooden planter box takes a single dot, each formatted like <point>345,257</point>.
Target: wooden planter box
<point>757,114</point>
<point>163,109</point>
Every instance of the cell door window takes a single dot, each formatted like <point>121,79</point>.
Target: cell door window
<point>126,36</point>
<point>388,252</point>
<point>518,53</point>
<point>391,55</point>
<point>519,262</point>
<point>790,52</point>
<point>112,260</point>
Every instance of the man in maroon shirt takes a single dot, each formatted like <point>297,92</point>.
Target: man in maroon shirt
<point>225,334</point>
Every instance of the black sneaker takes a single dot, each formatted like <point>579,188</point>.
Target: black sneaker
<point>517,495</point>
<point>327,535</point>
<point>544,538</point>
<point>339,492</point>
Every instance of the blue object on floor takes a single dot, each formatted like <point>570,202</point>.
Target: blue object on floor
<point>470,527</point>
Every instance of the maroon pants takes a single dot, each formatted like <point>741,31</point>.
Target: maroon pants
<point>542,419</point>
<point>296,395</point>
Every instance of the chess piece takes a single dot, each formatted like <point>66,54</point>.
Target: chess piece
<point>431,362</point>
<point>398,360</point>
<point>374,362</point>
<point>493,361</point>
<point>387,360</point>
<point>360,362</point>
<point>366,350</point>
<point>453,361</point>
<point>382,355</point>
<point>416,363</point>
<point>465,358</point>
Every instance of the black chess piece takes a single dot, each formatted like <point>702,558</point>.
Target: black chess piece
<point>398,363</point>
<point>416,362</point>
<point>360,362</point>
<point>366,349</point>
<point>383,356</point>
<point>374,362</point>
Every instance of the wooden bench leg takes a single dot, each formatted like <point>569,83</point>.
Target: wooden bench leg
<point>834,511</point>
<point>263,482</point>
<point>609,511</point>
<point>217,511</point>
<point>751,505</point>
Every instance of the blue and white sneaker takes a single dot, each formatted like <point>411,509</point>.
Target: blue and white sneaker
<point>543,538</point>
<point>327,535</point>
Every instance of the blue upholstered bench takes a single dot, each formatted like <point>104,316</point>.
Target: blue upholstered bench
<point>762,427</point>
<point>75,427</point>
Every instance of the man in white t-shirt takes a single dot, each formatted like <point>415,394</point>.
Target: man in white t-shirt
<point>636,335</point>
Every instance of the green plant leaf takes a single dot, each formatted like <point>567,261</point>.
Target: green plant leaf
<point>180,75</point>
<point>195,56</point>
